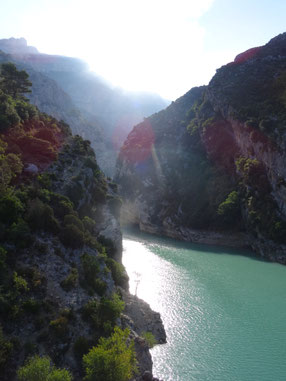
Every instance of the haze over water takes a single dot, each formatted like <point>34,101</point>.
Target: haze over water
<point>224,313</point>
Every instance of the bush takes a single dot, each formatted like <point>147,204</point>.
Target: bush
<point>20,284</point>
<point>149,338</point>
<point>71,219</point>
<point>118,272</point>
<point>20,234</point>
<point>89,224</point>
<point>6,348</point>
<point>71,280</point>
<point>72,236</point>
<point>10,209</point>
<point>40,369</point>
<point>99,286</point>
<point>62,205</point>
<point>59,326</point>
<point>112,359</point>
<point>230,208</point>
<point>81,347</point>
<point>91,269</point>
<point>110,309</point>
<point>32,306</point>
<point>41,216</point>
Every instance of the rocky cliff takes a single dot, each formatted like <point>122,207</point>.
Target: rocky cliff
<point>62,283</point>
<point>210,168</point>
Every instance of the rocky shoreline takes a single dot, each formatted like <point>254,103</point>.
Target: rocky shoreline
<point>140,318</point>
<point>216,238</point>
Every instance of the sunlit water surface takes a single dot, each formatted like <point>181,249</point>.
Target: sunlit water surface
<point>224,313</point>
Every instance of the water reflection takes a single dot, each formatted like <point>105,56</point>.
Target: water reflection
<point>224,314</point>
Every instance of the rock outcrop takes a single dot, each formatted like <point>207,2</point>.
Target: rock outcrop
<point>210,168</point>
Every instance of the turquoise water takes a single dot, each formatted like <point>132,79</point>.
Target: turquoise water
<point>224,313</point>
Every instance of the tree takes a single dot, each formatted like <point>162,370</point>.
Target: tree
<point>113,359</point>
<point>14,82</point>
<point>40,369</point>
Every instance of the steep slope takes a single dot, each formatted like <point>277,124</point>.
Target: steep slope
<point>105,115</point>
<point>61,277</point>
<point>213,160</point>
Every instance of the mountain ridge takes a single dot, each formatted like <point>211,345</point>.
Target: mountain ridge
<point>221,158</point>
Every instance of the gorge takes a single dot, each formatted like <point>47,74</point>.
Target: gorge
<point>208,169</point>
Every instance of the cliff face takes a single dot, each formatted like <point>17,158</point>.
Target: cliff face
<point>210,168</point>
<point>61,277</point>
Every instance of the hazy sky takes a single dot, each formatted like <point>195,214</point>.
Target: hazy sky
<point>162,46</point>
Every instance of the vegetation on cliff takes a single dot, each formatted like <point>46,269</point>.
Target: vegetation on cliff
<point>216,157</point>
<point>58,273</point>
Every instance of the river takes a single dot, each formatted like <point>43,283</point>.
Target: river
<point>224,311</point>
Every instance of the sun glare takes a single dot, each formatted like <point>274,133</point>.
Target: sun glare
<point>148,46</point>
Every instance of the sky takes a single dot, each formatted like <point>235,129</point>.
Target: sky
<point>161,46</point>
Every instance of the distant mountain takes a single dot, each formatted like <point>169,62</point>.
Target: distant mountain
<point>66,89</point>
<point>211,167</point>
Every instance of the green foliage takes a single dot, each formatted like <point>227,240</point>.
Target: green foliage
<point>149,338</point>
<point>110,309</point>
<point>89,224</point>
<point>20,233</point>
<point>40,369</point>
<point>8,114</point>
<point>113,359</point>
<point>6,348</point>
<point>71,219</point>
<point>71,280</point>
<point>62,205</point>
<point>14,82</point>
<point>81,347</point>
<point>90,267</point>
<point>59,326</point>
<point>118,272</point>
<point>31,306</point>
<point>10,167</point>
<point>10,208</point>
<point>230,208</point>
<point>20,284</point>
<point>72,236</point>
<point>3,266</point>
<point>41,216</point>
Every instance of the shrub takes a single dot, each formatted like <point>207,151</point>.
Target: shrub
<point>112,359</point>
<point>71,219</point>
<point>6,348</point>
<point>72,236</point>
<point>99,286</point>
<point>41,216</point>
<point>20,283</point>
<point>90,268</point>
<point>149,338</point>
<point>59,326</point>
<point>110,309</point>
<point>71,280</point>
<point>31,305</point>
<point>89,224</point>
<point>40,369</point>
<point>229,209</point>
<point>118,272</point>
<point>90,310</point>
<point>10,208</point>
<point>19,233</point>
<point>3,266</point>
<point>62,205</point>
<point>81,347</point>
